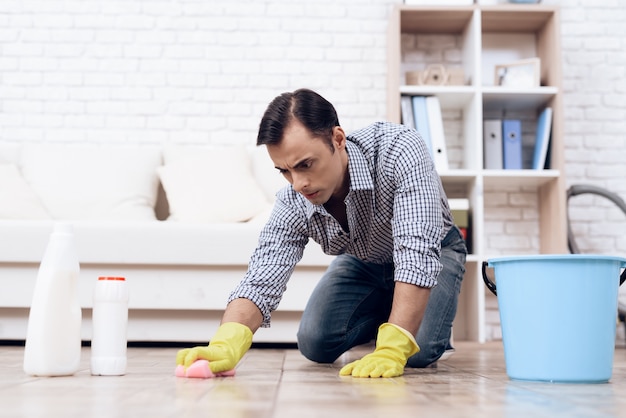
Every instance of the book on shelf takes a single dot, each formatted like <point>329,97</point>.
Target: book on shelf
<point>542,139</point>
<point>512,144</point>
<point>460,211</point>
<point>492,144</point>
<point>406,107</point>
<point>437,136</point>
<point>428,122</point>
<point>420,116</point>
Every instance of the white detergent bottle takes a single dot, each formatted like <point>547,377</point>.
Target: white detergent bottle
<point>53,340</point>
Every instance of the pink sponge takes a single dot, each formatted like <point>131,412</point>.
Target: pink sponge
<point>200,369</point>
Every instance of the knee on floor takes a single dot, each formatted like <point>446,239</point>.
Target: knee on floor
<point>318,347</point>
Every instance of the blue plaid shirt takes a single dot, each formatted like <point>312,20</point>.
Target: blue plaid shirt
<point>397,212</point>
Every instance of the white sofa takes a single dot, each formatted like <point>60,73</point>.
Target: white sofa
<point>179,222</point>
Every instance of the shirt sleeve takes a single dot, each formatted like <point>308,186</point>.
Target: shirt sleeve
<point>418,223</point>
<point>280,247</point>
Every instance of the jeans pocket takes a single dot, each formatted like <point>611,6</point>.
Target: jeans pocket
<point>455,242</point>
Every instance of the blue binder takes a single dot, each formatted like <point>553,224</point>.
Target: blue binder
<point>512,144</point>
<point>421,120</point>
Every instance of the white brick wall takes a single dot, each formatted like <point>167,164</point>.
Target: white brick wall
<point>203,71</point>
<point>594,70</point>
<point>182,71</point>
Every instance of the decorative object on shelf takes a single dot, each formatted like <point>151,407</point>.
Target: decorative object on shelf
<point>520,74</point>
<point>436,75</point>
<point>413,78</point>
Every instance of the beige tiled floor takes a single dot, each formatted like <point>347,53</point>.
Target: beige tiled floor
<point>280,383</point>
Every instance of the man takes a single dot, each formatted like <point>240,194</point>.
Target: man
<point>372,198</point>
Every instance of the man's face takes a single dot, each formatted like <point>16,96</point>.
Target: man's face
<point>308,163</point>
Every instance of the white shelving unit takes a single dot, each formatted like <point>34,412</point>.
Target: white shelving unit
<point>486,36</point>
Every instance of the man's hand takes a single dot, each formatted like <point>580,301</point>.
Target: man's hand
<point>227,347</point>
<point>394,346</point>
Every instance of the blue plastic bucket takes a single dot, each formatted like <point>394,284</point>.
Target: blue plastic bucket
<point>558,315</point>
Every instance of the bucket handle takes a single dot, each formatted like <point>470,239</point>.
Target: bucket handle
<point>492,286</point>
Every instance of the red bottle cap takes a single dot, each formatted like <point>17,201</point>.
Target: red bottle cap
<point>112,278</point>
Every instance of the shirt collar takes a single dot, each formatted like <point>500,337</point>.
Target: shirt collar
<point>358,168</point>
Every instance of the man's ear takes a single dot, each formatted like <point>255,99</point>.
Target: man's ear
<point>339,137</point>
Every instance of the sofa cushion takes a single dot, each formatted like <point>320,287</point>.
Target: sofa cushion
<point>93,182</point>
<point>17,199</point>
<point>9,152</point>
<point>210,184</point>
<point>144,243</point>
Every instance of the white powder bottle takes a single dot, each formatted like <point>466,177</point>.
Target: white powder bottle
<point>109,320</point>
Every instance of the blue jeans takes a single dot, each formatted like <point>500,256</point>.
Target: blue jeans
<point>354,298</point>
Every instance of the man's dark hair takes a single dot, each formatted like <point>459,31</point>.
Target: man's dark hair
<point>314,112</point>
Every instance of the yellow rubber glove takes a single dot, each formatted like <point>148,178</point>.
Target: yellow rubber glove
<point>226,348</point>
<point>394,346</point>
